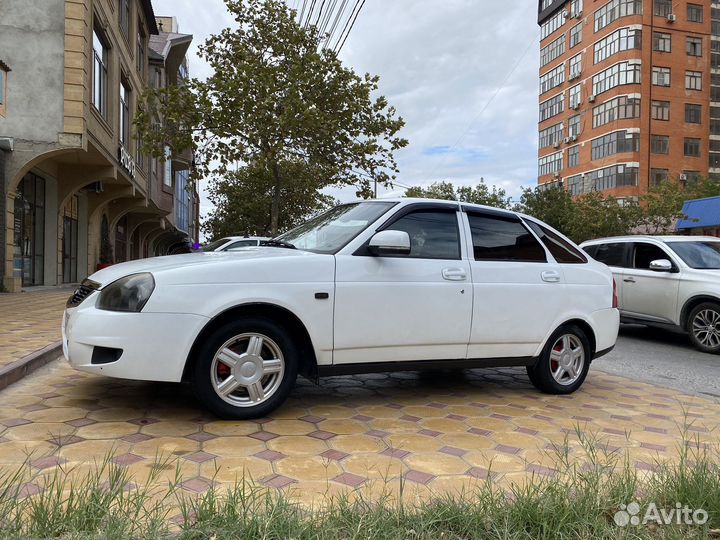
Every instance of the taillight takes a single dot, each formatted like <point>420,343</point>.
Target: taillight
<point>615,298</point>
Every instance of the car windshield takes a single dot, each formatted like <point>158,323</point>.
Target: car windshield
<point>329,232</point>
<point>212,246</point>
<point>703,255</point>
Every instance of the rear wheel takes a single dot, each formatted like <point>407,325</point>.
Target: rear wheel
<point>246,369</point>
<point>704,327</point>
<point>564,362</point>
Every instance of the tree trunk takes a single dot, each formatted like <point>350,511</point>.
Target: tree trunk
<point>275,206</point>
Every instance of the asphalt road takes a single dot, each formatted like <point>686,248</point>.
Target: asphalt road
<point>664,358</point>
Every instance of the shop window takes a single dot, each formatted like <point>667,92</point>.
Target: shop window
<point>4,70</point>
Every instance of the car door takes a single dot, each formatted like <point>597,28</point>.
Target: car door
<point>518,289</point>
<point>411,307</point>
<point>615,255</point>
<point>650,294</point>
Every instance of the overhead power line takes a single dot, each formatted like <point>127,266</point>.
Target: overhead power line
<point>351,27</point>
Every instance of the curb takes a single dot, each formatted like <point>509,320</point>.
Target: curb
<point>18,369</point>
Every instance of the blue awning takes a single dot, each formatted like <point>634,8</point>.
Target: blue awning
<point>701,213</point>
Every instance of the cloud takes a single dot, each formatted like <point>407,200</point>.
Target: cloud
<point>461,73</point>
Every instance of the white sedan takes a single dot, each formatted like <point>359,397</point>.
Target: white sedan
<point>373,286</point>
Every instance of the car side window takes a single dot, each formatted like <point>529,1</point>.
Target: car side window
<point>496,238</point>
<point>610,254</point>
<point>241,244</point>
<point>433,234</point>
<point>561,249</point>
<point>644,254</point>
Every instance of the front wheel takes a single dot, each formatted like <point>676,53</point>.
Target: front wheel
<point>245,369</point>
<point>564,362</point>
<point>704,327</point>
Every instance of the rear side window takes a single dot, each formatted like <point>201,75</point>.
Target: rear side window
<point>610,254</point>
<point>561,249</point>
<point>433,234</point>
<point>498,239</point>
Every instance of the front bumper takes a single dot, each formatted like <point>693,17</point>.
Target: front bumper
<point>154,346</point>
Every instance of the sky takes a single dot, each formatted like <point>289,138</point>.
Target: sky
<point>461,73</point>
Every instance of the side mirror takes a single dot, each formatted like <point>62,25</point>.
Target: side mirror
<point>390,243</point>
<point>661,265</point>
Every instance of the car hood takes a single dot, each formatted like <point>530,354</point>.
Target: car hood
<point>191,261</point>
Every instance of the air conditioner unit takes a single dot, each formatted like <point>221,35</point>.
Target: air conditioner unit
<point>572,138</point>
<point>671,17</point>
<point>578,14</point>
<point>591,99</point>
<point>574,75</point>
<point>683,177</point>
<point>567,140</point>
<point>566,13</point>
<point>556,144</point>
<point>575,106</point>
<point>557,176</point>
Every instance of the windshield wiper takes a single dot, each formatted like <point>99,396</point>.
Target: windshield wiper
<point>277,243</point>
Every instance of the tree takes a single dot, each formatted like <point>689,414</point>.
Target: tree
<point>275,95</point>
<point>662,205</point>
<point>553,205</point>
<point>243,200</point>
<point>478,194</point>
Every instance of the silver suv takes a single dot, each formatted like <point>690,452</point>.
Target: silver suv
<point>667,281</point>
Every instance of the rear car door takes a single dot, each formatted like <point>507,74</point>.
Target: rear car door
<point>648,294</point>
<point>615,255</point>
<point>518,290</point>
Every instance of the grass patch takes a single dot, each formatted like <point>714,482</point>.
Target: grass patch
<point>579,501</point>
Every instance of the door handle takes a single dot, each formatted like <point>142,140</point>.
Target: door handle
<point>629,280</point>
<point>454,274</point>
<point>551,276</point>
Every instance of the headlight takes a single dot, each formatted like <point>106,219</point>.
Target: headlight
<point>130,293</point>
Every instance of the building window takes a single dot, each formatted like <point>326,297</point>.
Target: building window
<point>714,161</point>
<point>714,87</point>
<point>617,142</point>
<point>695,13</point>
<point>714,120</point>
<point>3,89</point>
<point>139,156</point>
<point>691,176</point>
<point>693,80</point>
<point>692,147</point>
<point>575,96</point>
<point>661,110</point>
<point>552,24</point>
<point>552,107</point>
<point>124,11</point>
<point>618,108</point>
<point>167,175</point>
<point>693,113</point>
<point>659,144</point>
<point>617,75</point>
<point>124,114</point>
<point>574,156</point>
<point>574,127</point>
<point>140,59</point>
<point>552,51</point>
<point>551,136</point>
<point>100,74</point>
<point>658,176</point>
<point>575,35</point>
<point>715,53</point>
<point>662,42</point>
<point>576,8</point>
<point>661,76</point>
<point>663,8</point>
<point>550,164</point>
<point>614,10</point>
<point>694,46</point>
<point>622,39</point>
<point>575,66</point>
<point>552,79</point>
<point>602,179</point>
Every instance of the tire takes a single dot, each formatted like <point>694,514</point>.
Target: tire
<point>703,326</point>
<point>570,377</point>
<point>263,375</point>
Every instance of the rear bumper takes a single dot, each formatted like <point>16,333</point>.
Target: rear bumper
<point>598,354</point>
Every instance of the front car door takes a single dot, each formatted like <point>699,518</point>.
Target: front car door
<point>518,289</point>
<point>411,307</point>
<point>648,294</point>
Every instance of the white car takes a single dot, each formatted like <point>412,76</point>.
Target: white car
<point>229,243</point>
<point>372,286</point>
<point>667,281</point>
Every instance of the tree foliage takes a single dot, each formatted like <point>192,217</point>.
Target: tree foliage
<point>273,96</point>
<point>478,194</point>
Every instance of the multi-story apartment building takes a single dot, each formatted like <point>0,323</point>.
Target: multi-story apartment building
<point>629,93</point>
<point>77,190</point>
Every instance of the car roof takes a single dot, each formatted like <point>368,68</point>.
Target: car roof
<point>446,202</point>
<point>658,238</point>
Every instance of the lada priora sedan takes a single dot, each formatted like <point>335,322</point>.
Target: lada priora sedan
<point>373,286</point>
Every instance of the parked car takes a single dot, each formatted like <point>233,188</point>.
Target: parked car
<point>372,286</point>
<point>667,281</point>
<point>230,243</point>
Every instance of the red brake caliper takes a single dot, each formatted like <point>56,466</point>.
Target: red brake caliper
<point>553,363</point>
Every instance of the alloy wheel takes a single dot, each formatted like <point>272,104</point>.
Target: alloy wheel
<point>706,328</point>
<point>567,359</point>
<point>247,369</point>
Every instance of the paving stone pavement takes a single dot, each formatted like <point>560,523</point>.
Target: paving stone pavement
<point>29,321</point>
<point>438,432</point>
